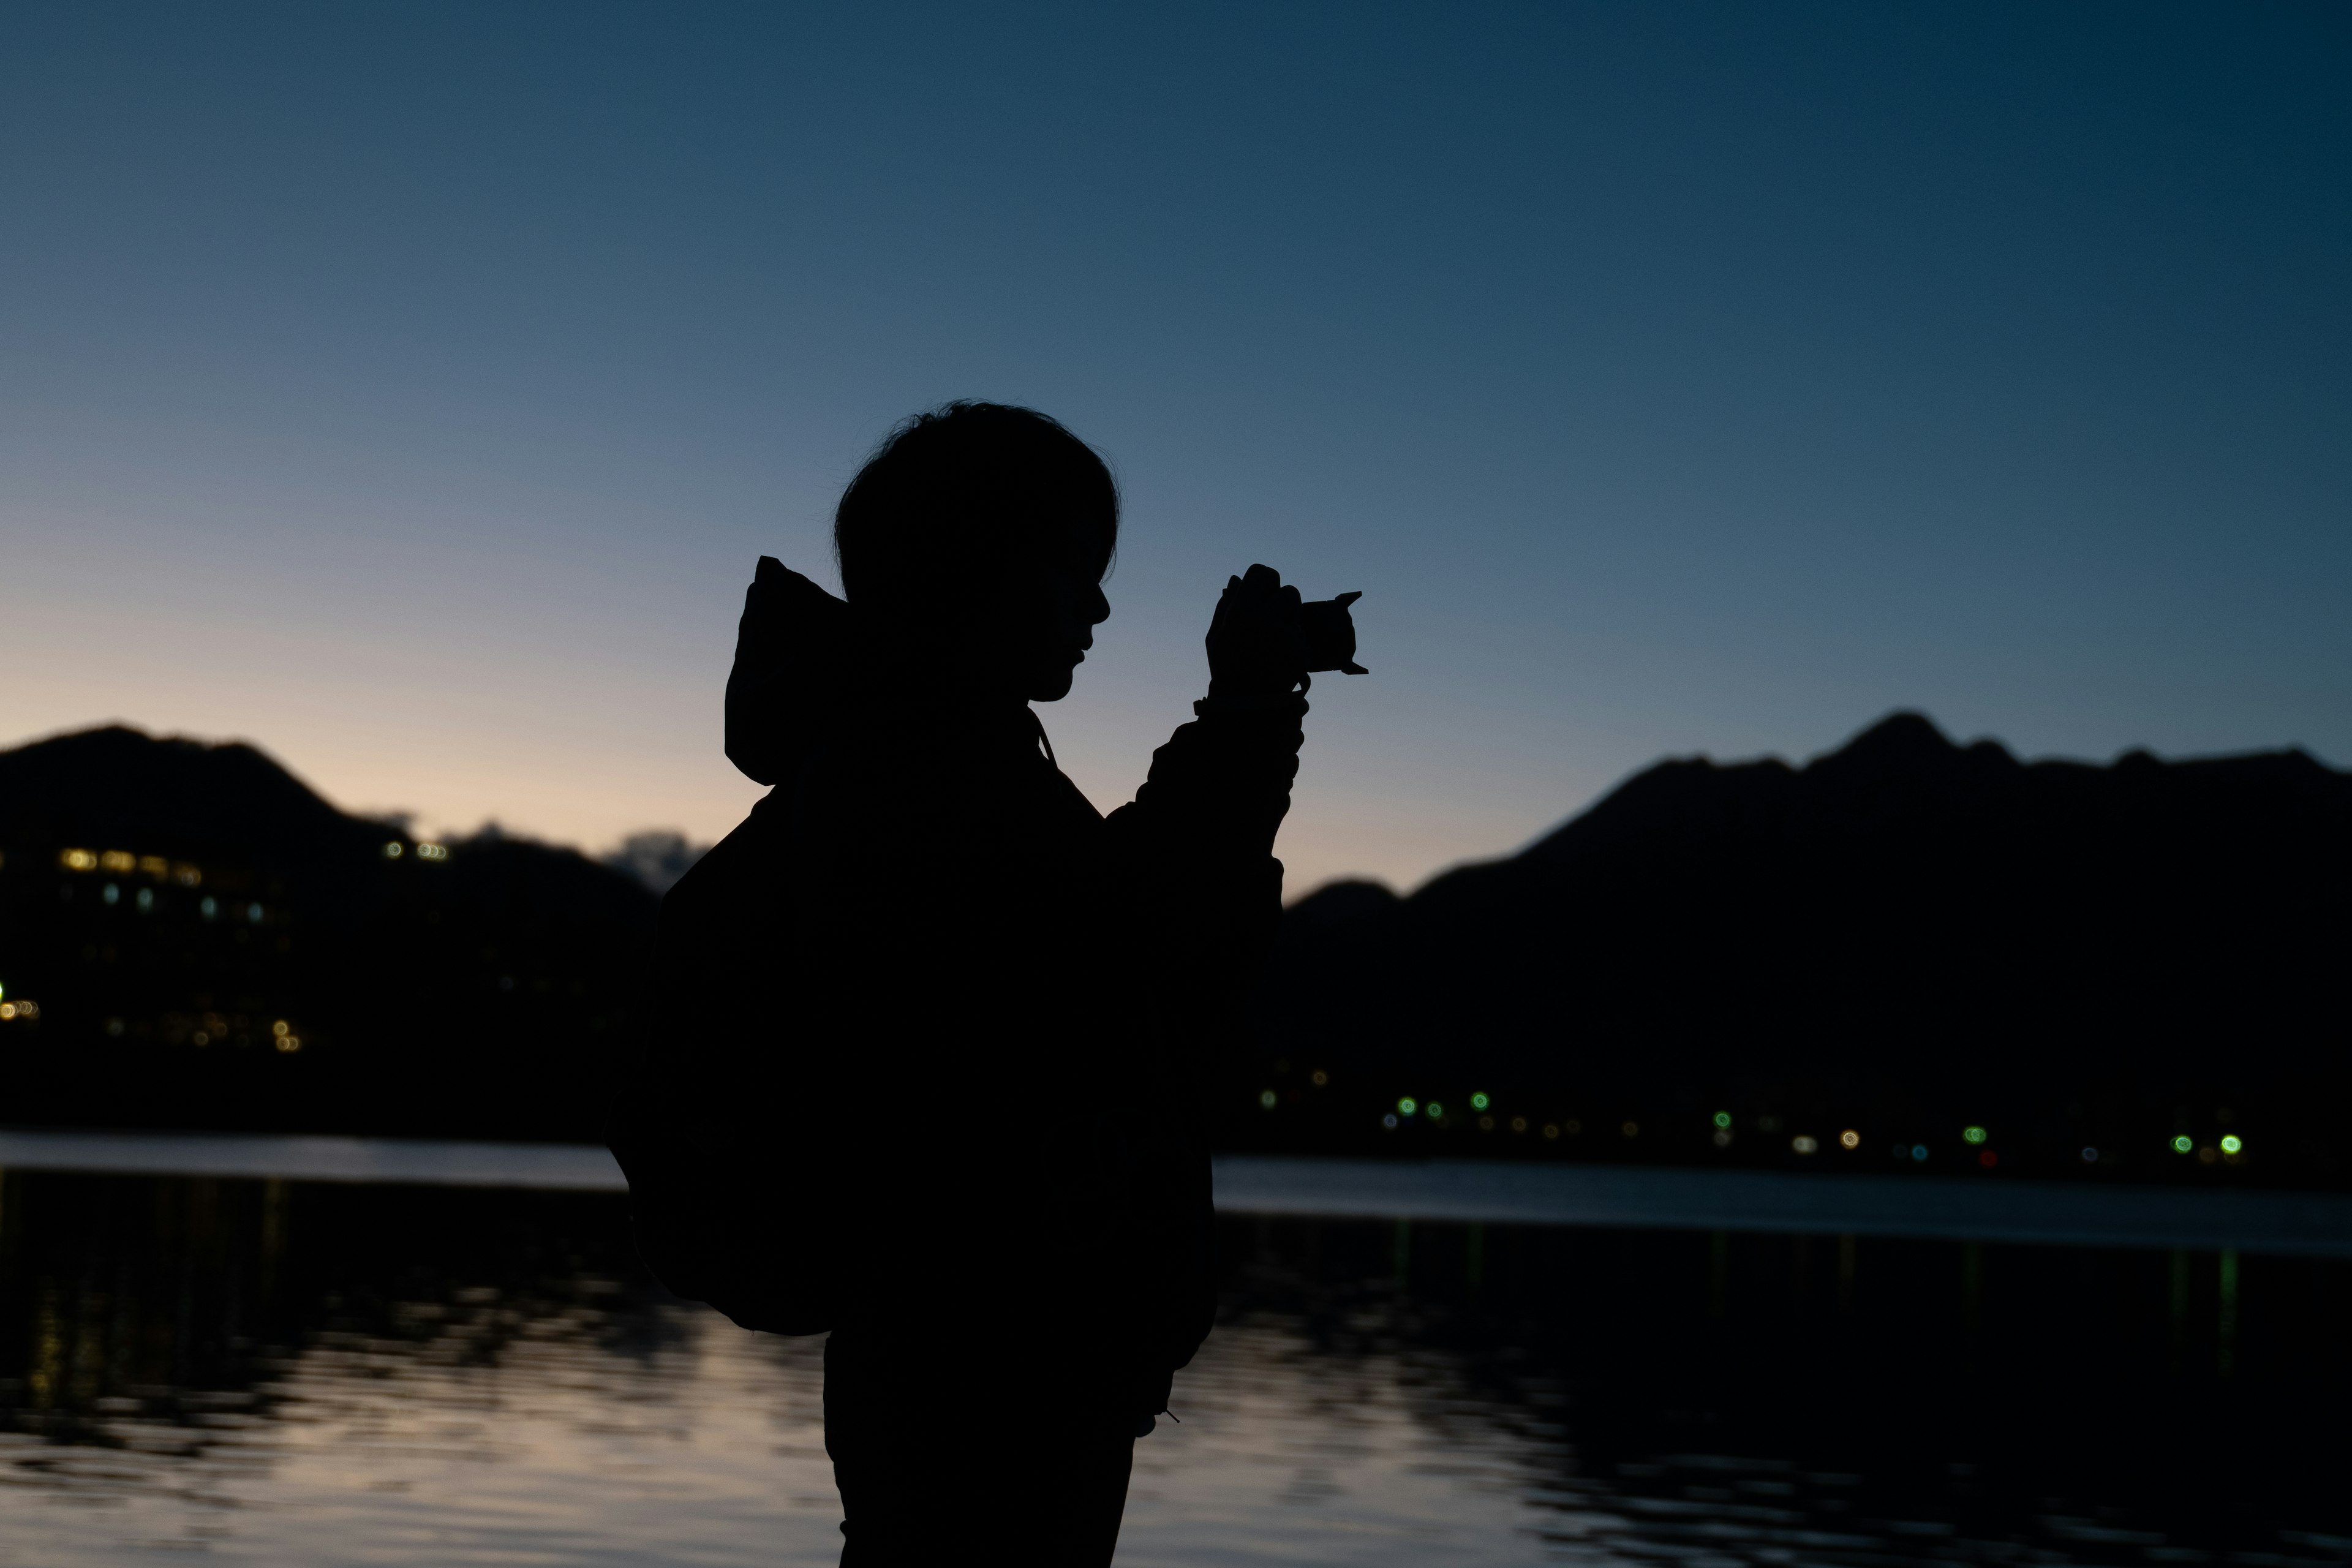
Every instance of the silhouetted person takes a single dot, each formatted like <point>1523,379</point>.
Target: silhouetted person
<point>931,1023</point>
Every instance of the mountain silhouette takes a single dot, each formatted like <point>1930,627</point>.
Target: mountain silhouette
<point>1905,935</point>
<point>205,941</point>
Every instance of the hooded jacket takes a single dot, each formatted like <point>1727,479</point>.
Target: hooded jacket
<point>932,1029</point>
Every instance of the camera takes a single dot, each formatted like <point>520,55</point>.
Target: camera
<point>1330,636</point>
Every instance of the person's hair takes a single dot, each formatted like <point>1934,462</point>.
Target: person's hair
<point>965,494</point>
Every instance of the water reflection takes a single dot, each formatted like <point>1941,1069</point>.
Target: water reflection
<point>324,1375</point>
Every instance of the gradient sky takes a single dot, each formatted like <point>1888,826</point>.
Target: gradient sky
<point>409,389</point>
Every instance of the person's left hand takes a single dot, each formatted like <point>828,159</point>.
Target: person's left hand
<point>1257,645</point>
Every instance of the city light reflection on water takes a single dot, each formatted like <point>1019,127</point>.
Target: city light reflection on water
<point>272,1373</point>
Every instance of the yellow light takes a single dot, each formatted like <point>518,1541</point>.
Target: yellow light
<point>1319,1078</point>
<point>1518,1124</point>
<point>77,860</point>
<point>187,875</point>
<point>119,861</point>
<point>1630,1129</point>
<point>278,1028</point>
<point>391,849</point>
<point>433,852</point>
<point>1551,1130</point>
<point>1849,1138</point>
<point>289,1042</point>
<point>155,865</point>
<point>7,1010</point>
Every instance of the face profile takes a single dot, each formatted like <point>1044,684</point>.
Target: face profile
<point>1060,606</point>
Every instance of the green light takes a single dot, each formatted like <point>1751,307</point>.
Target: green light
<point>2232,1143</point>
<point>2182,1144</point>
<point>1723,1118</point>
<point>1407,1106</point>
<point>1973,1134</point>
<point>1267,1098</point>
<point>1436,1110</point>
<point>1477,1103</point>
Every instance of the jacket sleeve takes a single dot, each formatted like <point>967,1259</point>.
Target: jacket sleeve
<point>1195,849</point>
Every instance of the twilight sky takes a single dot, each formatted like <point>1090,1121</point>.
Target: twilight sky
<point>409,389</point>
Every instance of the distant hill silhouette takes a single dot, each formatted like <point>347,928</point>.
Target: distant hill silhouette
<point>1903,937</point>
<point>177,911</point>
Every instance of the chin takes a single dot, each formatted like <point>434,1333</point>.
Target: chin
<point>1054,686</point>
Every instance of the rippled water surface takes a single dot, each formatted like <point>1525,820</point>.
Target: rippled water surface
<point>271,1372</point>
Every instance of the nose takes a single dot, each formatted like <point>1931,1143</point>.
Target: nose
<point>1099,611</point>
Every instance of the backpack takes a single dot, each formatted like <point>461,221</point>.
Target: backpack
<point>729,1189</point>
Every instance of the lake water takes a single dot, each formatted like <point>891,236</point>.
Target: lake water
<point>267,1371</point>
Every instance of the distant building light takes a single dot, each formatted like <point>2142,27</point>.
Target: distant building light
<point>1973,1134</point>
<point>155,866</point>
<point>1574,1126</point>
<point>391,849</point>
<point>1436,1110</point>
<point>1723,1118</point>
<point>146,899</point>
<point>77,860</point>
<point>202,1038</point>
<point>1318,1078</point>
<point>2232,1144</point>
<point>252,914</point>
<point>1478,1103</point>
<point>7,1010</point>
<point>1630,1128</point>
<point>1849,1138</point>
<point>119,861</point>
<point>2090,1156</point>
<point>1804,1143</point>
<point>1987,1158</point>
<point>278,1028</point>
<point>1486,1124</point>
<point>1389,1121</point>
<point>112,895</point>
<point>1919,1152</point>
<point>114,1029</point>
<point>433,852</point>
<point>1265,1097</point>
<point>209,906</point>
<point>1518,1124</point>
<point>1407,1106</point>
<point>1551,1129</point>
<point>187,875</point>
<point>1723,1137</point>
<point>2183,1144</point>
<point>289,1042</point>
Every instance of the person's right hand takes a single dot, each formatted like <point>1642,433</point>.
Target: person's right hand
<point>1257,646</point>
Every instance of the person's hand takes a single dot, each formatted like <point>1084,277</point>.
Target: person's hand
<point>1257,645</point>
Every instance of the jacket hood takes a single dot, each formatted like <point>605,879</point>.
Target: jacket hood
<point>794,667</point>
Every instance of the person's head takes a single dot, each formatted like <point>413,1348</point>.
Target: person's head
<point>981,532</point>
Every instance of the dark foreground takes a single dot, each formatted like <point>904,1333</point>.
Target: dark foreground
<point>285,1373</point>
